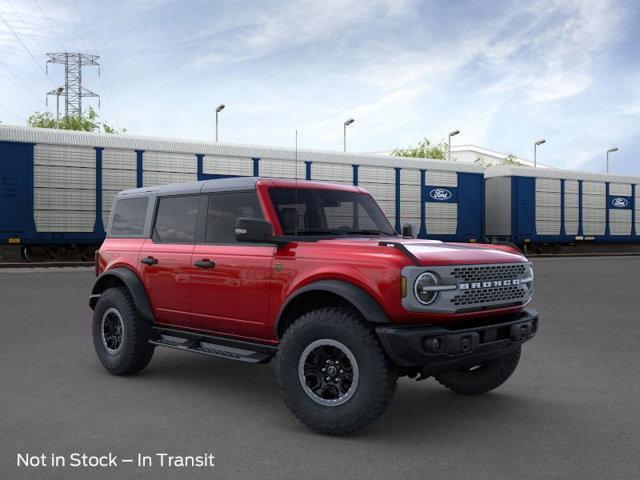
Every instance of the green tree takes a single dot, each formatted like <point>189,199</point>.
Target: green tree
<point>425,149</point>
<point>510,159</point>
<point>87,123</point>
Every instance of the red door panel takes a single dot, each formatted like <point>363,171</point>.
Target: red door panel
<point>233,296</point>
<point>167,281</point>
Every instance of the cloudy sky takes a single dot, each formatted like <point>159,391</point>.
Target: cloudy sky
<point>504,73</point>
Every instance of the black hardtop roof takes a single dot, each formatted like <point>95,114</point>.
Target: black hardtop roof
<point>202,186</point>
<point>227,185</point>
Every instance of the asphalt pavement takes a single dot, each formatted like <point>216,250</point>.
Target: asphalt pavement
<point>571,409</point>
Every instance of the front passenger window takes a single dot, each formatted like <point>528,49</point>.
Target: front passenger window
<point>224,209</point>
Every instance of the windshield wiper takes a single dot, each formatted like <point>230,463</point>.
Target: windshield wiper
<point>313,231</point>
<point>366,232</point>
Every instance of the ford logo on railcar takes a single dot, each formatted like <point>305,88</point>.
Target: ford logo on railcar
<point>440,194</point>
<point>619,202</point>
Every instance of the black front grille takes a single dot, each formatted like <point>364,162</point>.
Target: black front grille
<point>489,295</point>
<point>484,273</point>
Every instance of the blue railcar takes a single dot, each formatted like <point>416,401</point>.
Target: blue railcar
<point>546,209</point>
<point>58,186</point>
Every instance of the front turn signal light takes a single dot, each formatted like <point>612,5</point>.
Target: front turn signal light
<point>403,286</point>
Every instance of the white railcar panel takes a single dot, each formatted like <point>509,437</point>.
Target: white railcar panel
<point>64,156</point>
<point>409,176</point>
<point>623,189</point>
<point>594,188</point>
<point>119,179</point>
<point>380,191</point>
<point>571,200</point>
<point>169,162</point>
<point>107,203</point>
<point>162,178</point>
<point>548,206</point>
<point>64,220</point>
<point>215,165</point>
<point>64,177</point>
<point>593,228</point>
<point>620,221</point>
<point>571,228</point>
<point>118,159</point>
<point>409,210</point>
<point>65,199</point>
<point>332,172</point>
<point>548,199</point>
<point>571,186</point>
<point>441,218</point>
<point>389,209</point>
<point>383,175</point>
<point>410,193</point>
<point>282,168</point>
<point>441,179</point>
<point>571,218</point>
<point>547,185</point>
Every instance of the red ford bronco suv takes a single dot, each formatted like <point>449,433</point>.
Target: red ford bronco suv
<point>313,275</point>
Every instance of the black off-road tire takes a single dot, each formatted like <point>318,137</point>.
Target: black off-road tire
<point>377,375</point>
<point>482,379</point>
<point>135,351</point>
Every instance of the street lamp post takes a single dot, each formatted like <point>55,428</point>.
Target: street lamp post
<point>219,108</point>
<point>59,91</point>
<point>344,136</point>
<point>451,134</point>
<point>611,150</point>
<point>535,151</point>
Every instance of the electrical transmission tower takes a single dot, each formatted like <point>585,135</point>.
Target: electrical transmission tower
<point>73,90</point>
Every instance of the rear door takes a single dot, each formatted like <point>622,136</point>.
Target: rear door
<point>230,281</point>
<point>166,258</point>
<point>13,186</point>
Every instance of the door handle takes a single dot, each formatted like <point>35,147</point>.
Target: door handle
<point>204,263</point>
<point>149,261</point>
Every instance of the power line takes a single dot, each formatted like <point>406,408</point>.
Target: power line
<point>50,26</point>
<point>27,49</point>
<point>21,81</point>
<point>24,25</point>
<point>106,85</point>
<point>75,27</point>
<point>12,113</point>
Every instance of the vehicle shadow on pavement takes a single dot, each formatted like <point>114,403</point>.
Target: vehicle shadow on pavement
<point>419,409</point>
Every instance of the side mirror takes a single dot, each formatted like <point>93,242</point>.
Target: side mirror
<point>253,230</point>
<point>407,230</point>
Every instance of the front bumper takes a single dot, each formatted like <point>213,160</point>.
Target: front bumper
<point>438,349</point>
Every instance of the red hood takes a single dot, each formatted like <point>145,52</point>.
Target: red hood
<point>434,252</point>
<point>439,253</point>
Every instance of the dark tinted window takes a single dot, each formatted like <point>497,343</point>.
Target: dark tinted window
<point>224,210</point>
<point>176,219</point>
<point>128,217</point>
<point>328,212</point>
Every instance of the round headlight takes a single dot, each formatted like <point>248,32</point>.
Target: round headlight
<point>421,288</point>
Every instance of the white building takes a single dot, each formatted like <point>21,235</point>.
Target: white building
<point>470,153</point>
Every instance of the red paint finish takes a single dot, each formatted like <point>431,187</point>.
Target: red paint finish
<point>233,296</point>
<point>245,291</point>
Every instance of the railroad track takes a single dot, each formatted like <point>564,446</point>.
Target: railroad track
<point>44,264</point>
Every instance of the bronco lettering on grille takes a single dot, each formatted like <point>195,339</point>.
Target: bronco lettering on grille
<point>493,283</point>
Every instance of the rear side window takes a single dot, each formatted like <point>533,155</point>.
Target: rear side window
<point>176,219</point>
<point>224,209</point>
<point>128,217</point>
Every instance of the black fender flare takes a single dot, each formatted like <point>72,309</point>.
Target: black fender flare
<point>133,284</point>
<point>368,307</point>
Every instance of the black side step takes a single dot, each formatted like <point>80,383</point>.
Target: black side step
<point>223,347</point>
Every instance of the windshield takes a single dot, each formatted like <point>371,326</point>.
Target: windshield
<point>321,212</point>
